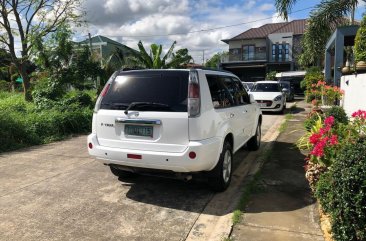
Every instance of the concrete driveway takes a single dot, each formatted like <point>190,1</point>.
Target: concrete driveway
<point>58,192</point>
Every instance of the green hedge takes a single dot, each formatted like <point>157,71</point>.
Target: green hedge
<point>342,192</point>
<point>23,124</point>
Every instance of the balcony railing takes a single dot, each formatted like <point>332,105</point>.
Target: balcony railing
<point>231,57</point>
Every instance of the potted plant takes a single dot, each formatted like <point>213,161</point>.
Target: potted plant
<point>360,47</point>
<point>347,68</point>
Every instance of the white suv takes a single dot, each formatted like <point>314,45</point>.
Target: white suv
<point>181,122</point>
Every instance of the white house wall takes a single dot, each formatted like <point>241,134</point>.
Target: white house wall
<point>354,97</point>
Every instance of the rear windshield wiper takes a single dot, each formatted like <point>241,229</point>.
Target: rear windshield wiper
<point>116,106</point>
<point>134,104</point>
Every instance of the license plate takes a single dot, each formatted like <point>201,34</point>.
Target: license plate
<point>132,130</point>
<point>263,104</point>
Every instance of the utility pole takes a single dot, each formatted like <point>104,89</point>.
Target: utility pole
<point>90,45</point>
<point>203,57</point>
<point>352,16</point>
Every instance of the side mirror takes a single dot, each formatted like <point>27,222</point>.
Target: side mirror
<point>285,90</point>
<point>251,98</point>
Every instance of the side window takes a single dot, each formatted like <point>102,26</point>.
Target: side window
<point>233,88</point>
<point>243,93</point>
<point>220,95</point>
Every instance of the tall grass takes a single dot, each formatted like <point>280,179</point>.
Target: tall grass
<point>23,124</point>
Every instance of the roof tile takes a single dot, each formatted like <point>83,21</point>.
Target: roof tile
<point>295,26</point>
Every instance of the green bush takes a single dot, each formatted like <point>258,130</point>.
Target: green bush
<point>4,85</point>
<point>23,124</point>
<point>342,192</point>
<point>323,191</point>
<point>313,75</point>
<point>311,119</point>
<point>338,113</point>
<point>360,42</point>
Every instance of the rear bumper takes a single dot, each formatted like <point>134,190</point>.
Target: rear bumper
<point>207,154</point>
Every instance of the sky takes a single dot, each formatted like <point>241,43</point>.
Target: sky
<point>165,21</point>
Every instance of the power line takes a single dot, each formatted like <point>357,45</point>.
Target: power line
<point>204,30</point>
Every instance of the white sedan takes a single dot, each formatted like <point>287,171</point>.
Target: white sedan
<point>269,96</point>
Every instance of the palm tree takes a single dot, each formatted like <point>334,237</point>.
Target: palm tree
<point>154,59</point>
<point>324,18</point>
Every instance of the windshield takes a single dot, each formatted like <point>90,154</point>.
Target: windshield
<point>148,91</point>
<point>285,85</point>
<point>266,87</point>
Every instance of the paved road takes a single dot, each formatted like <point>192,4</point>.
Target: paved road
<point>58,192</point>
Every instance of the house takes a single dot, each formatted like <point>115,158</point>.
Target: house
<point>103,47</point>
<point>271,47</point>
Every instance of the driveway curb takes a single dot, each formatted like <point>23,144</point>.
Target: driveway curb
<point>215,222</point>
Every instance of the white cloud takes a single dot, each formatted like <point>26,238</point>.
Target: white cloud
<point>266,7</point>
<point>276,18</point>
<point>166,17</point>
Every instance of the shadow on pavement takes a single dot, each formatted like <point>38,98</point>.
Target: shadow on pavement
<point>283,173</point>
<point>176,194</point>
<point>282,185</point>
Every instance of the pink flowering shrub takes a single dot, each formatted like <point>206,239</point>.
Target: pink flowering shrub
<point>324,143</point>
<point>325,138</point>
<point>326,94</point>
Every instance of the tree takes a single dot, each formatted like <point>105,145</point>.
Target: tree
<point>29,20</point>
<point>154,59</point>
<point>271,75</point>
<point>214,61</point>
<point>327,16</point>
<point>360,42</point>
<point>63,62</point>
<point>179,59</point>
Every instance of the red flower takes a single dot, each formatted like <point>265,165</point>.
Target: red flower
<point>333,140</point>
<point>360,114</point>
<point>314,138</point>
<point>329,121</point>
<point>319,147</point>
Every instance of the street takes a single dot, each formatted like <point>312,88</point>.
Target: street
<point>58,192</point>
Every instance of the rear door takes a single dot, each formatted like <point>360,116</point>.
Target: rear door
<point>157,118</point>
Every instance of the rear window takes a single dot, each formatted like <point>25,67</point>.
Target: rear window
<point>168,91</point>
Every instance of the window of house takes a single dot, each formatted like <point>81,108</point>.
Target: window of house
<point>280,52</point>
<point>287,51</point>
<point>248,52</point>
<point>274,51</point>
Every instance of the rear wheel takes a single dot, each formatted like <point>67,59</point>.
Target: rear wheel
<point>121,173</point>
<point>255,142</point>
<point>220,176</point>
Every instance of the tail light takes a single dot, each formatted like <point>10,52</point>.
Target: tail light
<point>194,100</point>
<point>104,92</point>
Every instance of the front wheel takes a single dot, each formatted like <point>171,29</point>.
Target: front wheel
<point>255,142</point>
<point>220,176</point>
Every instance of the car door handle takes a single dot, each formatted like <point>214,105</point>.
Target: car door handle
<point>232,115</point>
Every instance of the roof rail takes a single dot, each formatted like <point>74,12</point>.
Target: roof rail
<point>212,69</point>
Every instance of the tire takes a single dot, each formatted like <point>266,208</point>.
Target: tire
<point>220,177</point>
<point>282,111</point>
<point>121,173</point>
<point>255,142</point>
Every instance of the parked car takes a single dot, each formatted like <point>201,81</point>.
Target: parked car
<point>269,96</point>
<point>178,122</point>
<point>289,90</point>
<point>248,85</point>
